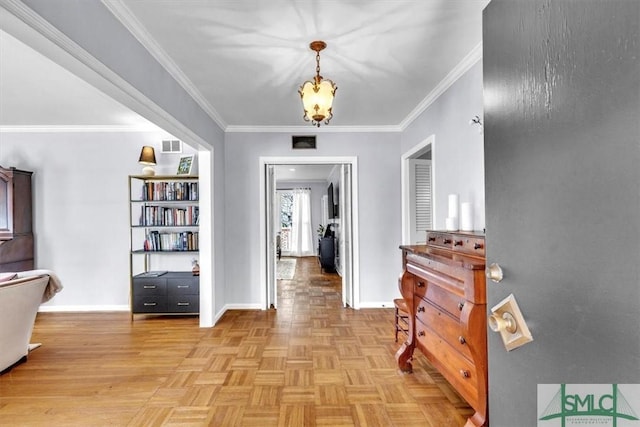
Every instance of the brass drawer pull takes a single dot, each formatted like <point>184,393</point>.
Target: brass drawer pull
<point>458,243</point>
<point>447,241</point>
<point>460,305</point>
<point>432,239</point>
<point>421,284</point>
<point>420,333</point>
<point>421,309</point>
<point>150,304</point>
<point>462,340</point>
<point>464,373</point>
<point>477,246</point>
<point>149,287</point>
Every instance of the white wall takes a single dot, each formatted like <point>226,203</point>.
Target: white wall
<point>380,230</point>
<point>81,210</point>
<point>458,157</point>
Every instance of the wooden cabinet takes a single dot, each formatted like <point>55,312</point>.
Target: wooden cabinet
<point>164,220</point>
<point>16,233</point>
<point>443,284</point>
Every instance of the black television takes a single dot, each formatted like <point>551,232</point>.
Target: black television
<point>330,206</point>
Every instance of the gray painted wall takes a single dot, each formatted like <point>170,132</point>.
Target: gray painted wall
<point>94,28</point>
<point>236,192</point>
<point>379,218</point>
<point>458,155</point>
<point>81,210</point>
<point>562,82</point>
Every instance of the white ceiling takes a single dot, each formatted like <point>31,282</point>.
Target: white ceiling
<point>36,92</point>
<point>300,172</point>
<point>244,60</point>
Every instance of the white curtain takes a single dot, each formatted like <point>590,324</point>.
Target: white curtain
<point>301,243</point>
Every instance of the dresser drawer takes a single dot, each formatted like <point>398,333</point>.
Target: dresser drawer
<point>149,286</point>
<point>449,302</point>
<point>183,286</point>
<point>419,286</point>
<point>446,326</point>
<point>440,240</point>
<point>459,371</point>
<point>184,303</point>
<point>149,304</point>
<point>473,246</point>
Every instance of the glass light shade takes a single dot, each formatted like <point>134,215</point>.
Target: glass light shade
<point>317,100</point>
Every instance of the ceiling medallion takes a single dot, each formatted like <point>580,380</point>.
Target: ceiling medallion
<point>317,94</point>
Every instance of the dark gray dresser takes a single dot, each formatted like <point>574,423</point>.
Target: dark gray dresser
<point>170,293</point>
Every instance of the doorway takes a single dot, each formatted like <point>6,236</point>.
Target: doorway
<point>347,201</point>
<point>418,187</point>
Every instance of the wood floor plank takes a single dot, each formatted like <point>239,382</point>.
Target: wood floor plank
<point>311,362</point>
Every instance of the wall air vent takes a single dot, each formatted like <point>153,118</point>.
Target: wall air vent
<point>303,142</point>
<point>171,146</point>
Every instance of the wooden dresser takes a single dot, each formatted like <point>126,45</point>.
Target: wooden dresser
<point>443,283</point>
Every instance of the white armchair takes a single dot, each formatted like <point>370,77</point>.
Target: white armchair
<point>19,302</point>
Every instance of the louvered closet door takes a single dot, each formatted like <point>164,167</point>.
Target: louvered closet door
<point>421,199</point>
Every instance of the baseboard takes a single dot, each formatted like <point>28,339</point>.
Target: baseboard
<point>241,307</point>
<point>373,304</point>
<point>81,308</point>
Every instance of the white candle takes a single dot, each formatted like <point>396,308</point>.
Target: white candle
<point>451,223</point>
<point>466,217</point>
<point>453,206</point>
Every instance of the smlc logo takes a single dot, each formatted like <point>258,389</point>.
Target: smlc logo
<point>588,404</point>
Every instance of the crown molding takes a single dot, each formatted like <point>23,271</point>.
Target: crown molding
<point>135,27</point>
<point>458,71</point>
<point>462,67</point>
<point>138,30</point>
<point>79,129</point>
<point>128,20</point>
<point>311,129</point>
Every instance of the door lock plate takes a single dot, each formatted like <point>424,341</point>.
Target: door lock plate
<point>507,319</point>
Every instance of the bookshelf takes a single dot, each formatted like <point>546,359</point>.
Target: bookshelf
<point>164,242</point>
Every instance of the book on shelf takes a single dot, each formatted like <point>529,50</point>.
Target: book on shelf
<point>181,241</point>
<point>168,216</point>
<point>170,190</point>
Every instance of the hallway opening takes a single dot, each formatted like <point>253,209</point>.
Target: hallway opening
<point>334,206</point>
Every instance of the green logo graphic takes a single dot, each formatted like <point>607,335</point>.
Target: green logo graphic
<point>589,408</point>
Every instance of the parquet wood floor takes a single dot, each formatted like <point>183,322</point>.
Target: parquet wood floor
<point>311,362</point>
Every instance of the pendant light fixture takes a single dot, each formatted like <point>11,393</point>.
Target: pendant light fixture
<point>317,94</point>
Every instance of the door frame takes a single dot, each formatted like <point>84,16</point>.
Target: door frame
<point>263,241</point>
<point>413,153</point>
